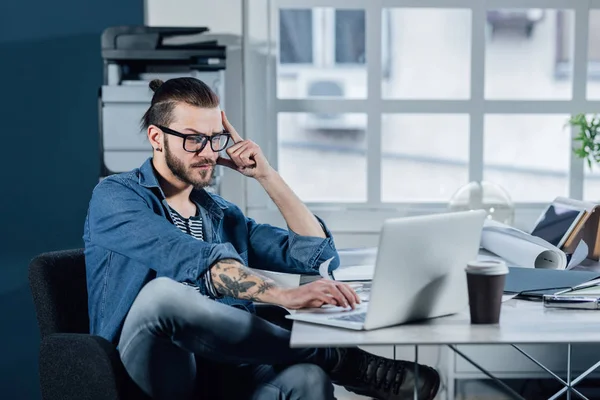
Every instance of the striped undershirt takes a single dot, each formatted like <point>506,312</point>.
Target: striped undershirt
<point>193,227</point>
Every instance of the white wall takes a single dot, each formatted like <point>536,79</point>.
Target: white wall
<point>221,16</point>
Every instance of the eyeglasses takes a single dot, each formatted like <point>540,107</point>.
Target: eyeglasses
<point>195,143</point>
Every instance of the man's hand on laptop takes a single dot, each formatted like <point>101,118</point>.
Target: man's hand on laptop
<point>319,293</point>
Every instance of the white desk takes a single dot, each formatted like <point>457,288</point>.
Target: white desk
<point>522,322</point>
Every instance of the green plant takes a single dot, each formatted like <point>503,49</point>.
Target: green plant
<point>589,136</point>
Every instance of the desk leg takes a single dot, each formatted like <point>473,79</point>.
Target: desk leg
<point>569,384</point>
<point>539,364</point>
<point>489,375</point>
<point>416,387</point>
<point>586,373</point>
<point>569,371</point>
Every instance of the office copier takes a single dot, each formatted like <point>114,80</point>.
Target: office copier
<point>133,56</point>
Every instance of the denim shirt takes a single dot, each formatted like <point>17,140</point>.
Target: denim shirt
<point>130,239</point>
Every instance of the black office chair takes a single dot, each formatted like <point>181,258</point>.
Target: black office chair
<point>75,365</point>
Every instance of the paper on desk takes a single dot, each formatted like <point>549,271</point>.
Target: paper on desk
<point>507,297</point>
<point>579,255</point>
<point>520,248</point>
<point>593,291</point>
<point>590,288</point>
<point>485,255</point>
<point>593,282</point>
<point>324,268</point>
<point>356,264</point>
<point>354,273</point>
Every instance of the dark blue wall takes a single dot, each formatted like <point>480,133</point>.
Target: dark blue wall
<point>50,72</point>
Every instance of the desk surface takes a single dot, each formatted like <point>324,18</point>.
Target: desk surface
<point>520,322</point>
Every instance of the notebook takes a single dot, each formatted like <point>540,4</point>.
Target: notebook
<point>535,282</point>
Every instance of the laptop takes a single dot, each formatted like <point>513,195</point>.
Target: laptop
<point>419,273</point>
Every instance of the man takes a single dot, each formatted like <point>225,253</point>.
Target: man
<point>168,277</point>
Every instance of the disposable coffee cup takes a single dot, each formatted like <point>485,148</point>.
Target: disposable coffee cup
<point>485,282</point>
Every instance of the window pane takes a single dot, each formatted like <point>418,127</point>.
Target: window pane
<point>527,54</point>
<point>322,54</point>
<point>294,48</point>
<point>321,161</point>
<point>349,47</point>
<point>424,157</point>
<point>528,155</point>
<point>594,56</point>
<point>591,183</point>
<point>426,53</point>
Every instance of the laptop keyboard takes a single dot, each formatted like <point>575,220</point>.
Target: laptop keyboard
<point>359,317</point>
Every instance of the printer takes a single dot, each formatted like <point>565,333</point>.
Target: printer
<point>133,56</point>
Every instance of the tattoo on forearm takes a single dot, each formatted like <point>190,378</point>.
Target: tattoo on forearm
<point>235,286</point>
<point>235,280</point>
<point>264,287</point>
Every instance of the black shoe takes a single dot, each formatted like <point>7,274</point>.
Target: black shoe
<point>384,379</point>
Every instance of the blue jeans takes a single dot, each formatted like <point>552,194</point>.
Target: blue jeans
<point>178,344</point>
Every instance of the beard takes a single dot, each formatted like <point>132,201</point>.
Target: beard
<point>198,178</point>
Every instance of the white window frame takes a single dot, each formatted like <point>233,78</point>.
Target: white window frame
<point>367,217</point>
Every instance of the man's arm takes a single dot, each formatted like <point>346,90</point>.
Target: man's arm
<point>297,216</point>
<point>247,158</point>
<point>233,279</point>
<point>121,221</point>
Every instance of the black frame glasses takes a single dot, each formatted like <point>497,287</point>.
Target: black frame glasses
<point>200,139</point>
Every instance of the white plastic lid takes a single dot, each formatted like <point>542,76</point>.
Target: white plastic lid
<point>487,267</point>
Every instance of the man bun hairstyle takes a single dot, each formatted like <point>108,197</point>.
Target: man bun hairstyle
<point>155,84</point>
<point>167,94</point>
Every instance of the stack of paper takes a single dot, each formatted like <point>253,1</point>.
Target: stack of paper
<point>354,273</point>
<point>356,264</point>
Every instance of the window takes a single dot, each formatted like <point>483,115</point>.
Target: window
<point>430,54</point>
<point>314,160</point>
<point>528,155</point>
<point>591,189</point>
<point>295,48</point>
<point>565,22</point>
<point>520,50</point>
<point>423,165</point>
<point>591,182</point>
<point>428,98</point>
<point>322,53</point>
<point>296,43</point>
<point>349,37</point>
<point>593,89</point>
